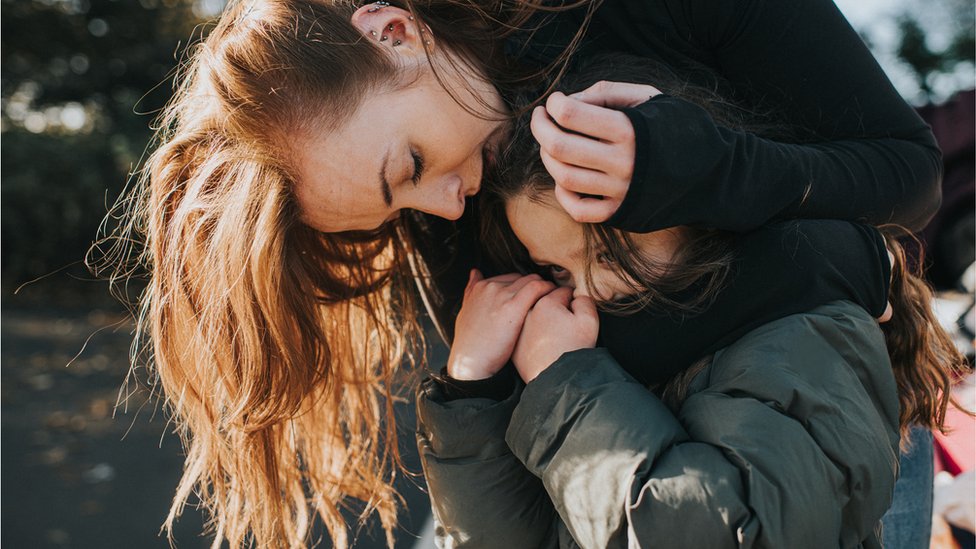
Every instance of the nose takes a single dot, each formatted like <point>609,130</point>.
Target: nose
<point>445,198</point>
<point>471,170</point>
<point>579,285</point>
<point>602,284</point>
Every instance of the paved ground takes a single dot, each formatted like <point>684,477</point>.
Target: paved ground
<point>75,476</point>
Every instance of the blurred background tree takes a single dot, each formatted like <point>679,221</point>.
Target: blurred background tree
<point>80,80</point>
<point>926,47</point>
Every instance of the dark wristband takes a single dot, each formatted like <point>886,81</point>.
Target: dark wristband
<point>497,387</point>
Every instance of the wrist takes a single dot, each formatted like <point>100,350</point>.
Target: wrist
<point>465,368</point>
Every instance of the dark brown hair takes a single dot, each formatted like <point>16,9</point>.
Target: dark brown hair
<point>925,360</point>
<point>705,256</point>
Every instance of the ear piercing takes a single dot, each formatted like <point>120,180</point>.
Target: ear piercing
<point>397,42</point>
<point>384,38</point>
<point>377,6</point>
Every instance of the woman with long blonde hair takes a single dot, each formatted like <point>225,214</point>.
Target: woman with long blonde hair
<point>273,217</point>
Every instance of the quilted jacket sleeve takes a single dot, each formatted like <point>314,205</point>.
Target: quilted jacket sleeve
<point>481,494</point>
<point>789,439</point>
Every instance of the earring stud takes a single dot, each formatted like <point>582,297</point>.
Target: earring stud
<point>377,6</point>
<point>397,42</point>
<point>384,38</point>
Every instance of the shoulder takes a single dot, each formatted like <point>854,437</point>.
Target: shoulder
<point>822,367</point>
<point>839,330</point>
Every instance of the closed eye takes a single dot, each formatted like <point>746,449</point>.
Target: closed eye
<point>418,167</point>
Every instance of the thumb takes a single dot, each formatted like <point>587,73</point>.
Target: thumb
<point>584,306</point>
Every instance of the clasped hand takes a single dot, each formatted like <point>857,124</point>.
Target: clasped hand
<point>523,318</point>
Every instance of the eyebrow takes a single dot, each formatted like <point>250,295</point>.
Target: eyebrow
<point>384,184</point>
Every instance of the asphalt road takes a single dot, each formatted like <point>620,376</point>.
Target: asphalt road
<point>79,473</point>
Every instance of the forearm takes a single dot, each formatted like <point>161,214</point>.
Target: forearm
<point>690,171</point>
<point>481,495</point>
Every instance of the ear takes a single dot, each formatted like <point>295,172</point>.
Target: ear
<point>391,27</point>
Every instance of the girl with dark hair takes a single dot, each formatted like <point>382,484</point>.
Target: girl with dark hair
<point>787,436</point>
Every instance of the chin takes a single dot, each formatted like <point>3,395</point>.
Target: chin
<point>454,216</point>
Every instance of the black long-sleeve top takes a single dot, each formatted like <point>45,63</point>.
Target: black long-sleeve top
<point>872,158</point>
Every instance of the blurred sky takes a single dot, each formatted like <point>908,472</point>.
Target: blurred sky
<point>876,20</point>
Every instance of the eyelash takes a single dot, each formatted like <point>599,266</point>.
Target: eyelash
<point>557,272</point>
<point>418,167</point>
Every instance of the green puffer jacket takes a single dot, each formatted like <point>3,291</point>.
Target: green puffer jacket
<point>788,439</point>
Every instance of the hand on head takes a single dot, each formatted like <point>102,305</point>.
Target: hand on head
<point>589,147</point>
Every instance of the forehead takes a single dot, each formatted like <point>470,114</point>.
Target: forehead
<point>341,154</point>
<point>544,228</point>
<point>338,169</point>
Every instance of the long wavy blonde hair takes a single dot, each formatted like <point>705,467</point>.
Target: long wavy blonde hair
<point>275,346</point>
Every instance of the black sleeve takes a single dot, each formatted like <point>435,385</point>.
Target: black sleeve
<point>876,160</point>
<point>480,493</point>
<point>782,269</point>
<point>690,171</point>
<point>497,387</point>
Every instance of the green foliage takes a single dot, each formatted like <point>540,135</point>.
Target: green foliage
<point>80,81</point>
<point>957,21</point>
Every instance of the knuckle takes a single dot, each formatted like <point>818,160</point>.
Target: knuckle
<point>621,129</point>
<point>605,209</point>
<point>578,214</point>
<point>558,148</point>
<point>557,172</point>
<point>563,111</point>
<point>573,179</point>
<point>539,285</point>
<point>584,216</point>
